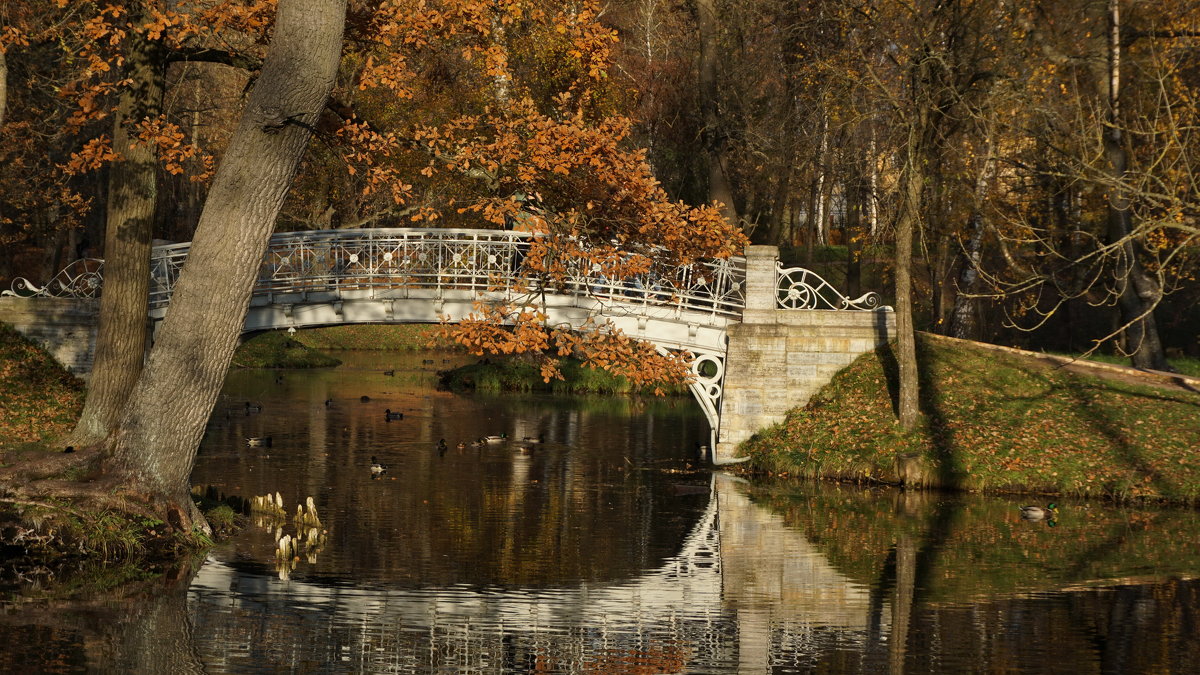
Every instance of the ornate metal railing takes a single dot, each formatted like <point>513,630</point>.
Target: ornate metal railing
<point>799,288</point>
<point>478,260</point>
<point>80,279</point>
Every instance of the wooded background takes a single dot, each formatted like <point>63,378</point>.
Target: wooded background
<point>1039,156</point>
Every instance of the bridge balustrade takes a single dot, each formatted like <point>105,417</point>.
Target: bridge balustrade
<point>444,259</point>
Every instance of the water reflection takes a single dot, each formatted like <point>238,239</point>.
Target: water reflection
<point>600,551</point>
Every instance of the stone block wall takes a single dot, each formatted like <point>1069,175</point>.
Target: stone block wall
<point>65,327</point>
<point>778,358</point>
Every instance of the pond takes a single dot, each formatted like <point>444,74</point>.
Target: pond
<point>605,547</point>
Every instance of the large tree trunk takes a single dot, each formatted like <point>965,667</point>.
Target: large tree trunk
<point>155,446</point>
<point>719,186</point>
<point>132,193</point>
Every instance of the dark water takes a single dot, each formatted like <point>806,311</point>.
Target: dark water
<point>604,550</point>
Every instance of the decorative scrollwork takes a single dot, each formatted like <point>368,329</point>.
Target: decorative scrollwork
<point>81,279</point>
<point>799,288</point>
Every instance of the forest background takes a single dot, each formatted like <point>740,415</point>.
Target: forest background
<point>1043,154</point>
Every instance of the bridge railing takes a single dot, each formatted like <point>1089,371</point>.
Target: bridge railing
<point>458,259</point>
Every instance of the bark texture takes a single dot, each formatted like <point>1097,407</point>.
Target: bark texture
<point>132,197</point>
<point>155,446</point>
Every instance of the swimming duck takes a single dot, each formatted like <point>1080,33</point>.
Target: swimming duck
<point>259,442</point>
<point>252,408</point>
<point>461,445</point>
<point>1039,513</point>
<point>390,373</point>
<point>491,440</point>
<point>533,440</point>
<point>376,467</point>
<point>389,415</point>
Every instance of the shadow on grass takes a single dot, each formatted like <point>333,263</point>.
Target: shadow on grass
<point>950,474</point>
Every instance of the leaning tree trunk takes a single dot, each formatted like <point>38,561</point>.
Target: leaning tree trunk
<point>155,446</point>
<point>128,237</point>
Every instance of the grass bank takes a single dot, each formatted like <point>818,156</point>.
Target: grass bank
<point>307,348</point>
<point>993,421</point>
<point>40,400</point>
<point>499,374</point>
<point>404,337</point>
<point>277,349</point>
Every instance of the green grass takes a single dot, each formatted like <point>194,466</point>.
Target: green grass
<point>994,421</point>
<point>499,374</point>
<point>390,337</point>
<point>41,401</point>
<point>276,349</point>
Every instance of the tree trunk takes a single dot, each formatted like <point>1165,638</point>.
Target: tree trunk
<point>962,318</point>
<point>155,446</point>
<point>1139,294</point>
<point>856,206</point>
<point>912,180</point>
<point>132,193</point>
<point>3,86</point>
<point>720,188</point>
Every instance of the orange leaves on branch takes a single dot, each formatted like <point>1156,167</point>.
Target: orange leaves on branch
<point>93,155</point>
<point>168,140</point>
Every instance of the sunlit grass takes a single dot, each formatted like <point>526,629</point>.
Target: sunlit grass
<point>995,421</point>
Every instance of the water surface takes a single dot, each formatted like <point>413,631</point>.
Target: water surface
<point>607,549</point>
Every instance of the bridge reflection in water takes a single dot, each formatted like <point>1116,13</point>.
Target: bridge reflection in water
<point>742,582</point>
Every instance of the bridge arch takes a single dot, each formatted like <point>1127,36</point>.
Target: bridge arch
<point>410,275</point>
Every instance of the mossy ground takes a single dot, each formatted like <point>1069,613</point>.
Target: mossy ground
<point>994,421</point>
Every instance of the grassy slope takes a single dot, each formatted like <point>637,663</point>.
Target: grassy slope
<point>995,421</point>
<point>39,400</point>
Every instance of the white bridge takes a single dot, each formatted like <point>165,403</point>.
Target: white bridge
<point>403,275</point>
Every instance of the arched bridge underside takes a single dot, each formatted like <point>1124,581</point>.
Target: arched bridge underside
<point>330,277</point>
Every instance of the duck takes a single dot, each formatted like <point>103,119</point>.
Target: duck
<point>461,446</point>
<point>328,402</point>
<point>1039,513</point>
<point>533,440</point>
<point>252,408</point>
<point>389,415</point>
<point>364,398</point>
<point>441,445</point>
<point>390,373</point>
<point>376,467</point>
<point>491,440</point>
<point>259,441</point>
